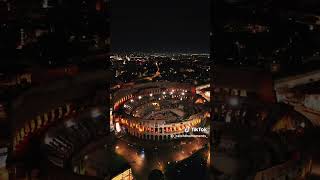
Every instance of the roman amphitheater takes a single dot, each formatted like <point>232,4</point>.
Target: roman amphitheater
<point>158,111</point>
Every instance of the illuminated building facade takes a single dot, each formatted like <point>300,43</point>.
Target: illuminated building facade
<point>125,175</point>
<point>158,111</point>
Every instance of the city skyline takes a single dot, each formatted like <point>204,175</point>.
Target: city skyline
<point>159,90</point>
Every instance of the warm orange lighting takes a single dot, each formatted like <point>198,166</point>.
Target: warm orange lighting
<point>126,175</point>
<point>199,101</point>
<point>207,115</point>
<point>26,127</point>
<point>98,5</point>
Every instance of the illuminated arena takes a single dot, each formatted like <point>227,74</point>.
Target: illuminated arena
<point>158,111</point>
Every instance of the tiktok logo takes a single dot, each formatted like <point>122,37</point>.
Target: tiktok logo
<point>187,129</point>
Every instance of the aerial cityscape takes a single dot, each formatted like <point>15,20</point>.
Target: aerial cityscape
<point>159,90</point>
<point>265,93</point>
<point>73,106</point>
<point>160,113</point>
<point>54,85</point>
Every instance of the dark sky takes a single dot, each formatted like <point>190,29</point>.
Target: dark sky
<point>160,25</point>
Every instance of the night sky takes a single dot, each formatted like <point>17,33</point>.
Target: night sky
<point>160,25</point>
